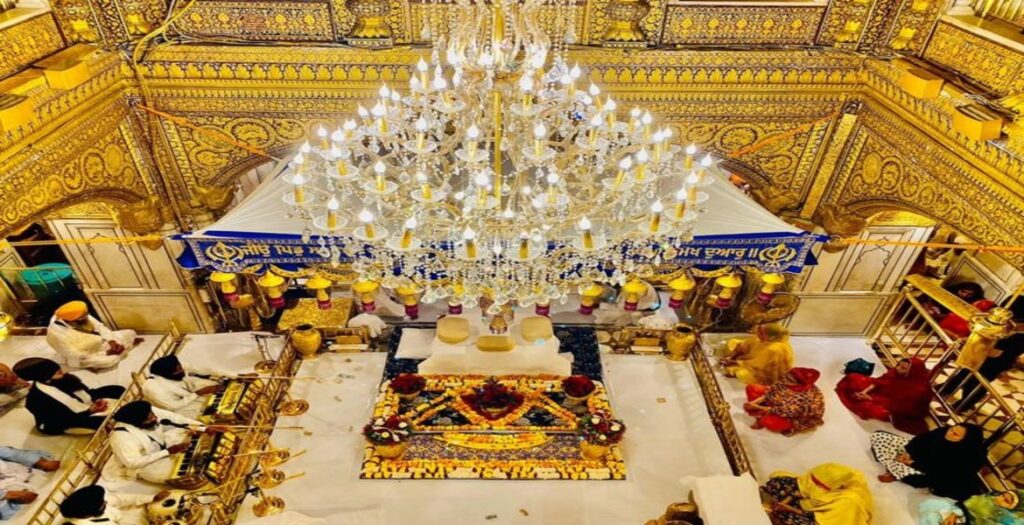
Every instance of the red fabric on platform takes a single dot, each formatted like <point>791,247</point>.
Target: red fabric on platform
<point>901,399</point>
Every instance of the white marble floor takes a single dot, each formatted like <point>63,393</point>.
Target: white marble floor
<point>842,439</point>
<point>669,437</point>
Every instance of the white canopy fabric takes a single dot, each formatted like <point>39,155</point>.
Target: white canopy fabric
<point>730,212</point>
<point>734,231</point>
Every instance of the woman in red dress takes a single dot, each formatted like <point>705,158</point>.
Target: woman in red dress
<point>901,395</point>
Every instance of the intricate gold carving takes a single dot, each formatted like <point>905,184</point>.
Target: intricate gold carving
<point>914,23</point>
<point>598,20</point>
<point>260,20</point>
<point>624,18</point>
<point>827,168</point>
<point>845,22</point>
<point>371,21</point>
<point>24,43</point>
<point>990,64</point>
<point>741,24</point>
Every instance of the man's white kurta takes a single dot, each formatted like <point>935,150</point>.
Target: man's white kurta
<point>88,350</point>
<point>142,453</point>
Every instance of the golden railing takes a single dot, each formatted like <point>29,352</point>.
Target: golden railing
<point>1011,11</point>
<point>909,330</point>
<point>719,411</point>
<point>86,468</point>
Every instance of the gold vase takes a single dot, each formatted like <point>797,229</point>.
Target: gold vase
<point>306,339</point>
<point>592,451</point>
<point>391,451</point>
<point>680,342</point>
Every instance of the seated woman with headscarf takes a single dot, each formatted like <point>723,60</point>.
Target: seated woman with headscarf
<point>61,402</point>
<point>762,359</point>
<point>940,511</point>
<point>789,406</point>
<point>901,395</point>
<point>829,494</point>
<point>945,460</point>
<point>997,508</point>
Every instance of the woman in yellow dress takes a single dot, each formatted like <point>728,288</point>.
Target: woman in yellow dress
<point>828,494</point>
<point>763,359</point>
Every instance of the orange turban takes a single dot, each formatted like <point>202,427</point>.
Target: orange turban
<point>72,311</point>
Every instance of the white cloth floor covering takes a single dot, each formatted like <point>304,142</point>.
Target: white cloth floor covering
<point>229,352</point>
<point>844,438</point>
<point>666,440</point>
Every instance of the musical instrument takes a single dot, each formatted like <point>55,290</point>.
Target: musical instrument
<point>178,508</point>
<point>236,402</point>
<point>206,459</point>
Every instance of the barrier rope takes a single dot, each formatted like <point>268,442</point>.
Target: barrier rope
<point>979,247</point>
<point>772,139</point>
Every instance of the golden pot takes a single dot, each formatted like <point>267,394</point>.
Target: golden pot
<point>391,451</point>
<point>680,342</point>
<point>592,451</point>
<point>306,340</point>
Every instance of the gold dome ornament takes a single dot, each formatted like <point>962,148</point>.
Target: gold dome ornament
<point>366,291</point>
<point>271,284</point>
<point>624,18</point>
<point>681,286</point>
<point>727,285</point>
<point>228,285</point>
<point>371,28</point>
<point>320,286</point>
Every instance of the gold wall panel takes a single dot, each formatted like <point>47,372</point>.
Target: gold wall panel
<point>987,63</point>
<point>87,160</point>
<point>24,43</point>
<point>260,21</point>
<point>914,23</point>
<point>748,24</point>
<point>887,169</point>
<point>845,22</point>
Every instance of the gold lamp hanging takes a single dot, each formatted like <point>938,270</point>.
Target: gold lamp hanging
<point>770,283</point>
<point>228,285</point>
<point>589,298</point>
<point>366,290</point>
<point>410,295</point>
<point>320,286</point>
<point>272,286</point>
<point>681,286</point>
<point>634,290</point>
<point>728,285</point>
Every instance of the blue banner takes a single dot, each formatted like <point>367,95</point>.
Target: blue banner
<point>771,253</point>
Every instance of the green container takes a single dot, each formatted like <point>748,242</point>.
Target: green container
<point>49,280</point>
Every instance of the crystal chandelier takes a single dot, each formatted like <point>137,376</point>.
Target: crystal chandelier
<point>496,174</point>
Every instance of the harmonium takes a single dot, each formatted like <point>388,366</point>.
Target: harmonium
<point>235,403</point>
<point>206,460</point>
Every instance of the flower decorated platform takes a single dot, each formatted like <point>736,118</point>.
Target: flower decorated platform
<point>506,427</point>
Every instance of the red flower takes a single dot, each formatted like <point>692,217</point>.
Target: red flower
<point>406,384</point>
<point>578,386</point>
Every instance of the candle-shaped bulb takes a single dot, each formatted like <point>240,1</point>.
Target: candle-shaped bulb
<point>692,180</point>
<point>298,192</point>
<point>594,90</point>
<point>508,214</point>
<point>305,148</point>
<point>706,162</point>
<point>366,217</point>
<point>422,66</point>
<point>691,150</point>
<point>332,213</point>
<point>384,92</point>
<point>588,237</point>
<point>321,131</point>
<point>539,132</point>
<point>335,153</point>
<point>646,120</point>
<point>680,203</point>
<point>473,133</point>
<point>410,225</point>
<point>575,72</point>
<point>470,237</point>
<point>348,127</point>
<point>624,165</point>
<point>379,168</point>
<point>362,112</point>
<point>656,210</point>
<point>425,190</point>
<point>338,135</point>
<point>642,157</point>
<point>635,112</point>
<point>526,83</point>
<point>421,133</point>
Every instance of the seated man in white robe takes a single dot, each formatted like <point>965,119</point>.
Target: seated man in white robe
<point>145,439</point>
<point>12,388</point>
<point>60,402</point>
<point>16,468</point>
<point>95,504</point>
<point>84,342</point>
<point>170,387</point>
